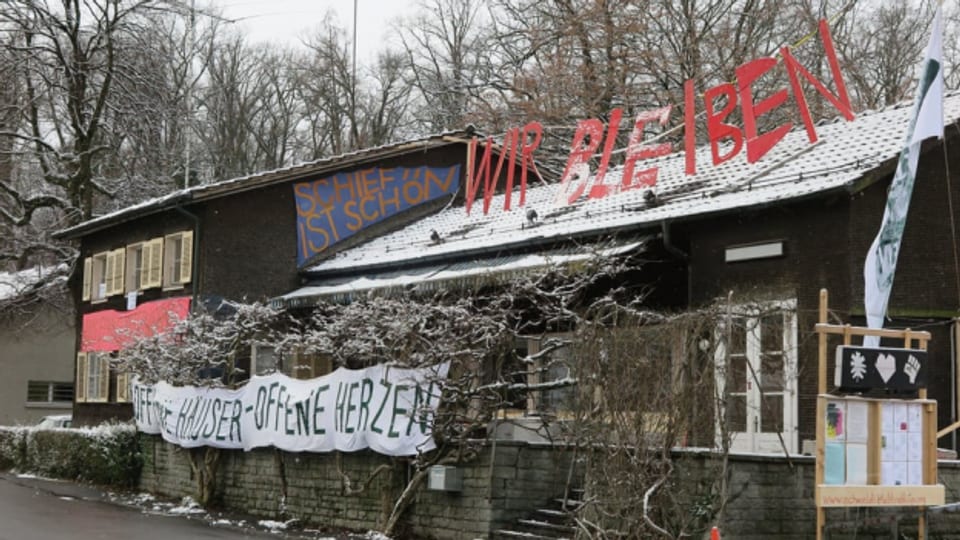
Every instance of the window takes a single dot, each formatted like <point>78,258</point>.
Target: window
<point>103,275</point>
<point>264,359</point>
<point>178,259</point>
<point>123,387</point>
<point>544,364</point>
<point>310,365</point>
<point>95,277</point>
<point>756,369</point>
<point>93,377</point>
<point>49,392</point>
<point>135,267</point>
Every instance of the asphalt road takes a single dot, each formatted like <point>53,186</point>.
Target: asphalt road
<point>34,509</point>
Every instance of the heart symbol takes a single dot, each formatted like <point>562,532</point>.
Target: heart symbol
<point>886,366</point>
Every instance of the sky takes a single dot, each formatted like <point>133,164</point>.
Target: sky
<point>285,22</point>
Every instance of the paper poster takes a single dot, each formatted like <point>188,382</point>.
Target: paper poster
<point>857,424</point>
<point>915,473</point>
<point>900,418</point>
<point>834,464</point>
<point>894,473</point>
<point>915,417</point>
<point>887,421</point>
<point>914,447</point>
<point>835,421</point>
<point>856,464</point>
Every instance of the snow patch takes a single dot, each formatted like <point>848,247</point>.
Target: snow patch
<point>188,506</point>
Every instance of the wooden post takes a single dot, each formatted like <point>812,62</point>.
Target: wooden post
<point>821,409</point>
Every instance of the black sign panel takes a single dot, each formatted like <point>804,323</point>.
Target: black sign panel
<point>860,369</point>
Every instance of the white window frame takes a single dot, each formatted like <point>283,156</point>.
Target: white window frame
<point>754,439</point>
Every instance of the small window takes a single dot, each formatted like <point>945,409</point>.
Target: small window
<point>264,359</point>
<point>49,392</point>
<point>93,376</point>
<point>103,275</point>
<point>135,267</point>
<point>123,387</point>
<point>178,259</point>
<point>310,365</point>
<point>98,280</point>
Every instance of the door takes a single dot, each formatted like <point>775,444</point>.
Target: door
<point>756,368</point>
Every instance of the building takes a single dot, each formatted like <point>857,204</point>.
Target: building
<point>765,236</point>
<point>36,345</point>
<point>238,240</point>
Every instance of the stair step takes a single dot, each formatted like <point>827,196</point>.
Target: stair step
<point>526,535</point>
<point>568,503</point>
<point>533,523</point>
<point>553,513</point>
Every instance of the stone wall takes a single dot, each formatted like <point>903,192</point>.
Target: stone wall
<point>356,490</point>
<point>771,498</point>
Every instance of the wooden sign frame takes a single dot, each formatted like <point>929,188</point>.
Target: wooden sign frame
<point>929,492</point>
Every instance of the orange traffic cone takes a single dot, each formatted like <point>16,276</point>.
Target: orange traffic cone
<point>715,534</point>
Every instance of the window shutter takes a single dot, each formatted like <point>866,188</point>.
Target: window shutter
<point>108,273</point>
<point>87,278</point>
<point>104,377</point>
<point>186,257</point>
<point>81,390</point>
<point>119,267</point>
<point>146,249</point>
<point>123,387</point>
<point>154,270</point>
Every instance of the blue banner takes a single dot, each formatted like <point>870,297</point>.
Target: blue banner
<point>338,206</point>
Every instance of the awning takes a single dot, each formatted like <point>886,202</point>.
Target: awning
<point>110,330</point>
<point>435,277</point>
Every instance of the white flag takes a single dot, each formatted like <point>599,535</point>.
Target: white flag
<point>926,121</point>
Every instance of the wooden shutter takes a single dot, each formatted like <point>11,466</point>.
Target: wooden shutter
<point>186,256</point>
<point>104,377</point>
<point>153,265</point>
<point>119,270</point>
<point>108,274</point>
<point>123,387</point>
<point>87,278</point>
<point>81,389</point>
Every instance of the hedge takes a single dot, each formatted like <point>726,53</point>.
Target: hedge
<point>106,455</point>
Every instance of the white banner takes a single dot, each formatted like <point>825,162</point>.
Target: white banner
<point>387,409</point>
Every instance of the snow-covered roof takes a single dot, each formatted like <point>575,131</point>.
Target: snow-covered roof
<point>252,181</point>
<point>14,284</point>
<point>434,276</point>
<point>793,169</point>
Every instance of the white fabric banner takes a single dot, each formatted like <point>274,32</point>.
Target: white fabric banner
<point>926,121</point>
<point>387,409</point>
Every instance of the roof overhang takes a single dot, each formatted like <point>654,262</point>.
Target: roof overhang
<point>467,274</point>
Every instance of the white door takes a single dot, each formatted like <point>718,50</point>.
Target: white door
<point>757,378</point>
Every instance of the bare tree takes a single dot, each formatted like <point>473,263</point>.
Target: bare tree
<point>446,45</point>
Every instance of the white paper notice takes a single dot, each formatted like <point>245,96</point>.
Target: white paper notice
<point>915,417</point>
<point>856,464</point>
<point>915,447</point>
<point>915,473</point>
<point>894,473</point>
<point>857,424</point>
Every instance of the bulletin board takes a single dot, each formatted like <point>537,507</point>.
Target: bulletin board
<point>878,452</point>
<point>874,452</point>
